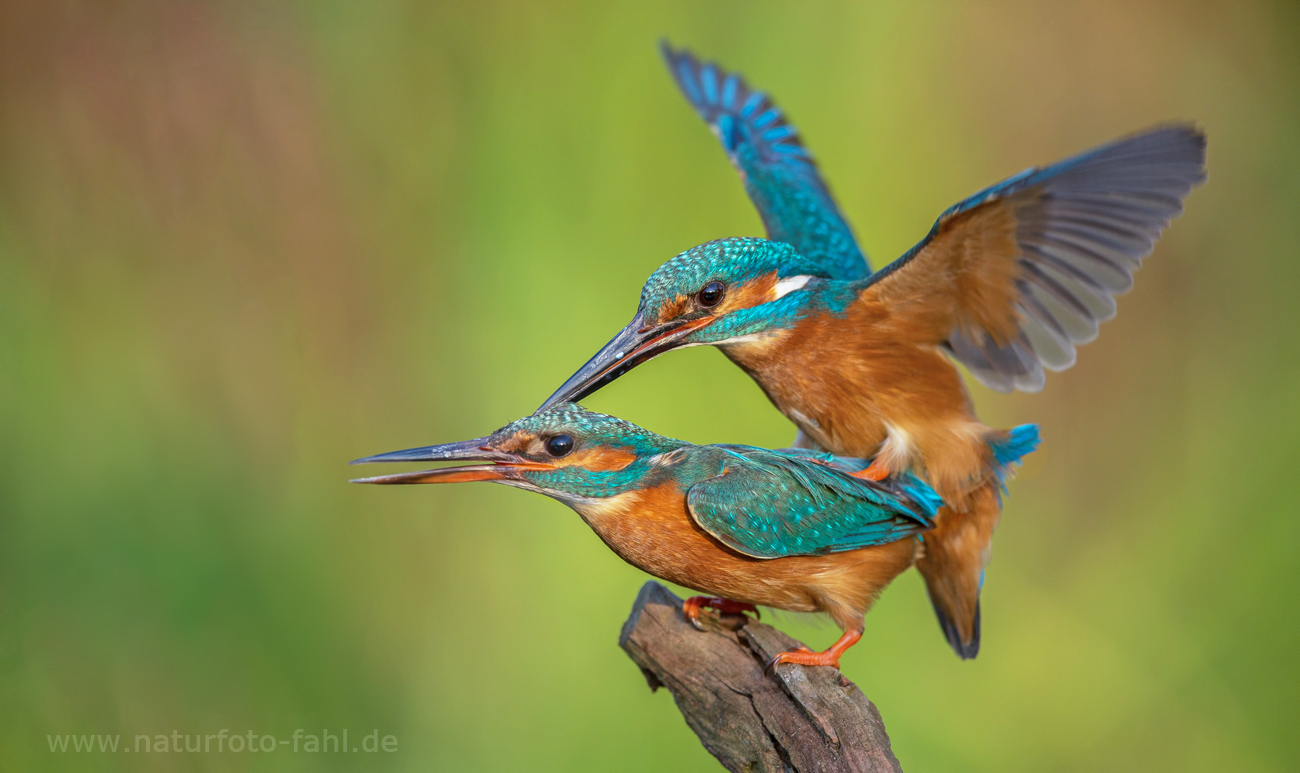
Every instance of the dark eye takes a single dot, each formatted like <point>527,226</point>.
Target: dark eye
<point>560,445</point>
<point>712,294</point>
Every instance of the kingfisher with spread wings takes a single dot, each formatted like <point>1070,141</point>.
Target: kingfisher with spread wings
<point>1007,283</point>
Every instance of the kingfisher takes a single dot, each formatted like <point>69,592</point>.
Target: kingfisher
<point>1007,283</point>
<point>792,529</point>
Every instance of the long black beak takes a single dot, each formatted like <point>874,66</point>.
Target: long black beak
<point>476,450</point>
<point>502,465</point>
<point>633,345</point>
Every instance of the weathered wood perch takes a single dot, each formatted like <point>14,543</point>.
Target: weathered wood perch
<point>800,719</point>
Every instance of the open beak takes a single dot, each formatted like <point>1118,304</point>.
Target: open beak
<point>501,466</point>
<point>633,345</point>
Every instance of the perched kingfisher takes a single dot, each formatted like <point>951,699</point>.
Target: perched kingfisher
<point>1007,283</point>
<point>794,529</point>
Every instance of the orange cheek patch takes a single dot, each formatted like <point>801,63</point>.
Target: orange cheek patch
<point>598,459</point>
<point>755,292</point>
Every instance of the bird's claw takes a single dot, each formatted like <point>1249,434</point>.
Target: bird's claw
<point>692,606</point>
<point>781,658</point>
<point>805,657</point>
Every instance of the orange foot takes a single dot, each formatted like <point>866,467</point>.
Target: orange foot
<point>806,657</point>
<point>876,471</point>
<point>691,608</point>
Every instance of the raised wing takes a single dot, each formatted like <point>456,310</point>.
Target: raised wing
<point>1012,279</point>
<point>778,171</point>
<point>769,504</point>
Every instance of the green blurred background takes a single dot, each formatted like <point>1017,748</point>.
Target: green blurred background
<point>243,243</point>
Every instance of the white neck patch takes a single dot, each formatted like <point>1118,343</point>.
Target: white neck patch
<point>790,284</point>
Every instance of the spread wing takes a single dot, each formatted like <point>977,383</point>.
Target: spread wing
<point>779,173</point>
<point>769,504</point>
<point>1013,278</point>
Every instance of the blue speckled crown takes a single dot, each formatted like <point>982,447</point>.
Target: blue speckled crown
<point>727,260</point>
<point>580,422</point>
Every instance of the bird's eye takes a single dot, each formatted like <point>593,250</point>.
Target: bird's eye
<point>711,295</point>
<point>560,445</point>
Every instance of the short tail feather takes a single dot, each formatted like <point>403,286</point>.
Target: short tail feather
<point>1018,443</point>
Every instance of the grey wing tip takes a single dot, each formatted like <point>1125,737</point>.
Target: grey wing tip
<point>1175,137</point>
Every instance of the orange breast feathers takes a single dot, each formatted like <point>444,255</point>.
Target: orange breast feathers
<point>653,530</point>
<point>860,385</point>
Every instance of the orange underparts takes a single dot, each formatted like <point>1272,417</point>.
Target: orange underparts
<point>831,657</point>
<point>691,607</point>
<point>875,471</point>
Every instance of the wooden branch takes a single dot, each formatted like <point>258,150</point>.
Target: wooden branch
<point>800,719</point>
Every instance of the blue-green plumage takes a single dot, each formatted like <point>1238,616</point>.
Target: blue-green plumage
<point>778,171</point>
<point>770,504</point>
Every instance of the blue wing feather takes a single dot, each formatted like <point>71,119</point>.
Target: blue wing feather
<point>771,504</point>
<point>778,171</point>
